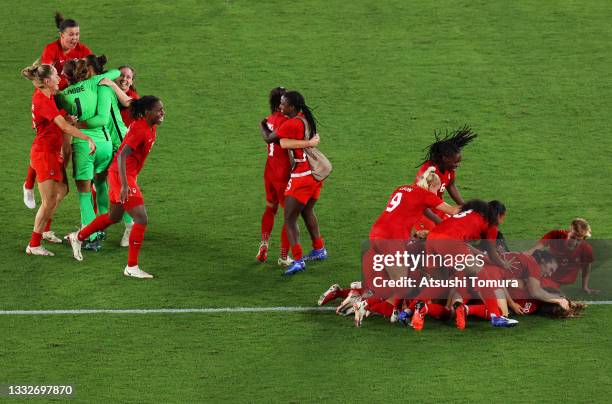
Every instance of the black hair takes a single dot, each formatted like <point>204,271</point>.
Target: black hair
<point>490,211</point>
<point>96,62</point>
<point>133,87</point>
<point>297,100</point>
<point>449,145</point>
<point>76,70</point>
<point>543,256</point>
<point>140,106</point>
<point>275,97</point>
<point>501,241</point>
<point>63,23</point>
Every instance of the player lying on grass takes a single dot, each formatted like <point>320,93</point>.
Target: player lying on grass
<point>573,252</point>
<point>47,154</point>
<point>124,193</point>
<point>444,155</point>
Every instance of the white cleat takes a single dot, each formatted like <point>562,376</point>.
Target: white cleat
<point>76,246</point>
<point>329,295</point>
<point>125,240</point>
<point>136,272</point>
<point>40,250</point>
<point>51,237</point>
<point>285,262</point>
<point>28,197</point>
<point>346,307</point>
<point>360,312</point>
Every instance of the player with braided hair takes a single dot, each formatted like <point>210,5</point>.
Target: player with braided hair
<point>445,155</point>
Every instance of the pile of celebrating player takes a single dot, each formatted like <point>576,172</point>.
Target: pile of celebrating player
<point>416,220</point>
<point>94,118</point>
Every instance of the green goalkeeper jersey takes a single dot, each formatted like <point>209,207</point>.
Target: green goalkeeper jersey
<point>108,116</point>
<point>81,100</point>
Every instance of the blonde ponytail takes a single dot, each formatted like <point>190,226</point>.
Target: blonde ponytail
<point>429,177</point>
<point>37,73</point>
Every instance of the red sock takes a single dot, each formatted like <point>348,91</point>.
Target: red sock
<point>492,307</point>
<point>284,243</point>
<point>478,310</point>
<point>383,308</point>
<point>267,223</point>
<point>48,225</point>
<point>136,237</point>
<point>343,293</point>
<point>35,240</point>
<point>318,243</point>
<point>30,178</point>
<point>100,223</point>
<point>437,311</point>
<point>296,251</point>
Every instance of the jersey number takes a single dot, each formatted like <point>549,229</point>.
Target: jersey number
<point>394,202</point>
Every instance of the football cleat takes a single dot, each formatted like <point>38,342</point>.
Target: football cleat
<point>28,197</point>
<point>296,266</point>
<point>40,250</point>
<point>501,321</point>
<point>360,311</point>
<point>418,318</point>
<point>461,313</point>
<point>51,237</point>
<point>262,254</point>
<point>394,316</point>
<point>284,262</point>
<point>125,239</point>
<point>102,235</point>
<point>93,245</point>
<point>75,243</point>
<point>329,295</point>
<point>404,316</point>
<point>346,307</point>
<point>316,255</point>
<point>136,272</point>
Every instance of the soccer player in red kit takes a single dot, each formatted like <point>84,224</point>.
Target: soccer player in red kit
<point>126,84</point>
<point>445,156</point>
<point>124,193</point>
<point>46,153</point>
<point>56,53</point>
<point>276,176</point>
<point>303,189</point>
<point>573,253</point>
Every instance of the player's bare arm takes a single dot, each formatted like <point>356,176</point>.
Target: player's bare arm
<point>121,160</point>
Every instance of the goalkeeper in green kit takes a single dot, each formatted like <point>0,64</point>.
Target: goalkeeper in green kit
<point>81,99</point>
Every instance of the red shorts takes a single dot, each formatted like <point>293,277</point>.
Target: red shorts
<point>48,165</point>
<point>304,188</point>
<point>114,191</point>
<point>275,190</point>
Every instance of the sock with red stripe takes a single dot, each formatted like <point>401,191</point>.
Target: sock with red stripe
<point>318,243</point>
<point>30,178</point>
<point>492,307</point>
<point>99,223</point>
<point>478,310</point>
<point>48,225</point>
<point>35,240</point>
<point>284,243</point>
<point>267,223</point>
<point>136,237</point>
<point>296,251</point>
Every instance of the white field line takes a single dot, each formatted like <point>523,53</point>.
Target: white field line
<point>202,310</point>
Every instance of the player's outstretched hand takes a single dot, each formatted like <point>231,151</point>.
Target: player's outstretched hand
<point>71,119</point>
<point>125,191</point>
<point>106,82</point>
<point>314,141</point>
<point>517,308</point>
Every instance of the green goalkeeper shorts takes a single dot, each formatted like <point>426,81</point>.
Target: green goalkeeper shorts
<point>85,166</point>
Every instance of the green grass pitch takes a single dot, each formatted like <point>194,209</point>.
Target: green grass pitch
<point>532,78</point>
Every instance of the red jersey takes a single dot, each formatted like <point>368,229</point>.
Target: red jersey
<point>570,261</point>
<point>48,134</point>
<point>523,266</point>
<point>140,137</point>
<point>53,54</point>
<point>278,166</point>
<point>293,128</point>
<point>446,177</point>
<point>405,207</point>
<point>468,225</point>
<point>126,116</point>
